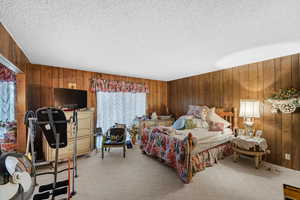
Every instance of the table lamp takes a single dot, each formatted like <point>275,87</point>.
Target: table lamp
<point>249,109</point>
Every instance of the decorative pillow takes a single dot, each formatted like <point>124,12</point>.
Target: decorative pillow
<point>200,123</point>
<point>179,123</point>
<point>213,117</point>
<point>189,124</point>
<point>198,111</point>
<point>187,117</point>
<point>216,126</point>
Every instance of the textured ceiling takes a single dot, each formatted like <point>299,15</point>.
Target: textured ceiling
<point>156,39</point>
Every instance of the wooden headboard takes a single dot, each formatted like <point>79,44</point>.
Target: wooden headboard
<point>231,116</point>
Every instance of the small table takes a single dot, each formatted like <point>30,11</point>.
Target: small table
<point>251,146</point>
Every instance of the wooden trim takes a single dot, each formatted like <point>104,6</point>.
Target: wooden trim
<point>230,116</point>
<point>14,55</point>
<point>250,153</point>
<point>189,157</point>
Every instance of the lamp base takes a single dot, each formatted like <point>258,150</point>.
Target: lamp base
<point>249,124</point>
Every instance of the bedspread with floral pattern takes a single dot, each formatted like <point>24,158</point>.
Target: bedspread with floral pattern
<point>176,153</point>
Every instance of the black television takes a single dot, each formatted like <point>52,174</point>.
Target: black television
<point>70,98</point>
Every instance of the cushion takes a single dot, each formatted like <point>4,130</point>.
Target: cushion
<point>216,126</point>
<point>213,117</point>
<point>187,116</point>
<point>179,123</point>
<point>200,123</point>
<point>198,111</point>
<point>189,124</point>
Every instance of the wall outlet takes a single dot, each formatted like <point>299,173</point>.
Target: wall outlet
<point>287,156</point>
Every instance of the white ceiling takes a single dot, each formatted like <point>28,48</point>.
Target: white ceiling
<point>155,39</point>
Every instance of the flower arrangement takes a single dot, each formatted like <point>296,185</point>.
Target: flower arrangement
<point>285,94</point>
<point>286,100</point>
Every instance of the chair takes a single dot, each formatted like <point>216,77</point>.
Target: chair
<point>115,137</point>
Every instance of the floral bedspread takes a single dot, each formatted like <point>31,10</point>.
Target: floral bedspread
<point>175,152</point>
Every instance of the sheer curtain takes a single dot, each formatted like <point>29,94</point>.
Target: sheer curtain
<point>7,103</point>
<point>119,107</point>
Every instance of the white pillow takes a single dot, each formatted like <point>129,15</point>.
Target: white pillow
<point>198,111</point>
<point>213,117</point>
<point>200,123</point>
<point>186,117</point>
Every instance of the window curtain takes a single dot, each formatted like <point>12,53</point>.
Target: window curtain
<point>119,107</point>
<point>7,99</point>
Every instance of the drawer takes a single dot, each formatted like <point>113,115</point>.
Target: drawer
<point>83,145</point>
<point>63,153</point>
<point>85,120</point>
<point>80,133</point>
<point>84,123</point>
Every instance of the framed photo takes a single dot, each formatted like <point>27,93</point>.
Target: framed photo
<point>258,133</point>
<point>241,131</point>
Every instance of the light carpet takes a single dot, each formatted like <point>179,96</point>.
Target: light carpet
<point>139,177</point>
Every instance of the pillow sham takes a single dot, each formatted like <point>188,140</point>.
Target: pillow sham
<point>198,111</point>
<point>216,126</point>
<point>200,123</point>
<point>212,116</point>
<point>179,123</point>
<point>186,117</point>
<point>189,124</point>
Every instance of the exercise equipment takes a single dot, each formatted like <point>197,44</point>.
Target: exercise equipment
<point>16,177</point>
<point>30,122</point>
<point>53,124</point>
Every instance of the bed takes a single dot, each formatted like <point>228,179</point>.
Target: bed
<point>190,151</point>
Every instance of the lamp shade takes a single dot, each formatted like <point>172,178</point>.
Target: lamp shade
<point>249,108</point>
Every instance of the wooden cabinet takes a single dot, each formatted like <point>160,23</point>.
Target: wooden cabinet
<point>85,140</point>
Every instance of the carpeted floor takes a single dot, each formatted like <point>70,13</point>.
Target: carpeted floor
<point>139,177</point>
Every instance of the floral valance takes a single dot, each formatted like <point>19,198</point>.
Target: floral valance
<point>118,86</point>
<point>6,74</point>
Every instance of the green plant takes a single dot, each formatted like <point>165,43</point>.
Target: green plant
<point>285,94</point>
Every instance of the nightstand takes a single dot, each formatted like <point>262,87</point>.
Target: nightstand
<point>251,146</point>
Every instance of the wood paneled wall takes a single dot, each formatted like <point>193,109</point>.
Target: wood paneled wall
<point>43,79</point>
<point>225,88</point>
<point>11,51</point>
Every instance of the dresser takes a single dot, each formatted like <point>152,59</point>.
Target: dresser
<point>153,123</point>
<point>85,139</point>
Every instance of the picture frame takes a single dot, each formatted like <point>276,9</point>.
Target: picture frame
<point>259,133</point>
<point>241,132</point>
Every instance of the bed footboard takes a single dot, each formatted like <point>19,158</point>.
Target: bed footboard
<point>189,150</point>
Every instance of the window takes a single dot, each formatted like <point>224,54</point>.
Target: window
<point>119,107</point>
<point>7,104</point>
